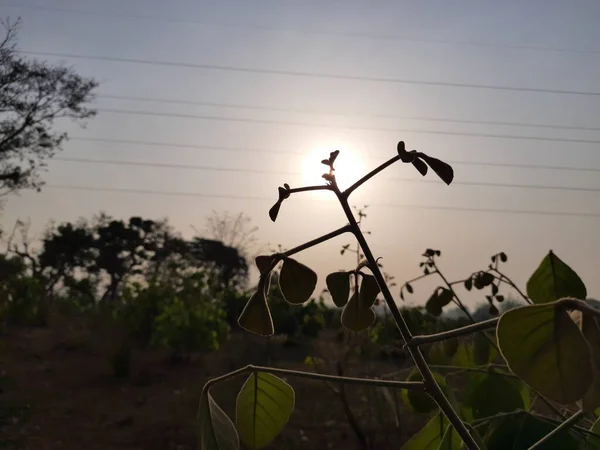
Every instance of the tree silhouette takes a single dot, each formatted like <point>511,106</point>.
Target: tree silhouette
<point>33,94</point>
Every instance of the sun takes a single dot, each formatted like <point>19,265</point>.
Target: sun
<point>349,166</point>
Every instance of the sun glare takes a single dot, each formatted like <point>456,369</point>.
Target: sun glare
<point>349,166</point>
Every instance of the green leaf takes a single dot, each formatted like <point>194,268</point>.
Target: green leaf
<point>355,317</point>
<point>553,280</point>
<point>433,436</point>
<point>492,393</point>
<point>543,347</point>
<point>369,289</point>
<point>338,284</point>
<point>590,328</point>
<point>263,407</point>
<point>256,316</point>
<point>440,298</point>
<point>521,430</point>
<point>296,281</point>
<point>464,356</point>
<point>419,401</point>
<point>593,442</point>
<point>483,351</point>
<point>217,431</point>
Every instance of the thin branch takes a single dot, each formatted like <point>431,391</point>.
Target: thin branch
<point>484,369</point>
<point>411,385</point>
<point>370,175</point>
<point>319,240</point>
<point>562,427</point>
<point>324,187</point>
<point>457,332</point>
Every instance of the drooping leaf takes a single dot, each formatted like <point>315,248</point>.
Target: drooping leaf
<point>521,430</point>
<point>296,281</point>
<point>419,401</point>
<point>369,289</point>
<point>483,351</point>
<point>442,169</point>
<point>503,257</point>
<point>256,316</point>
<point>468,284</point>
<point>263,263</point>
<point>440,298</point>
<point>263,407</point>
<point>431,436</point>
<point>338,284</point>
<point>274,211</point>
<point>492,393</point>
<point>217,431</point>
<point>593,442</point>
<point>590,328</point>
<point>409,288</point>
<point>553,280</point>
<point>544,347</point>
<point>355,317</point>
<point>420,166</point>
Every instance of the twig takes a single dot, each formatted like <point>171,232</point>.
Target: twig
<point>562,427</point>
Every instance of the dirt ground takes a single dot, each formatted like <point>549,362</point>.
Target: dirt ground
<point>57,391</point>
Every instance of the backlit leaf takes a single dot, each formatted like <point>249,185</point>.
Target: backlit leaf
<point>263,263</point>
<point>440,298</point>
<point>369,289</point>
<point>355,317</point>
<point>521,430</point>
<point>296,281</point>
<point>263,407</point>
<point>442,169</point>
<point>419,401</point>
<point>492,393</point>
<point>256,316</point>
<point>274,211</point>
<point>338,284</point>
<point>217,431</point>
<point>420,166</point>
<point>431,436</point>
<point>483,351</point>
<point>553,280</point>
<point>590,328</point>
<point>593,442</point>
<point>544,347</point>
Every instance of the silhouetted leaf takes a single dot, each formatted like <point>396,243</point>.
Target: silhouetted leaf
<point>256,316</point>
<point>440,298</point>
<point>274,211</point>
<point>553,280</point>
<point>492,393</point>
<point>543,347</point>
<point>503,257</point>
<point>217,431</point>
<point>419,401</point>
<point>355,317</point>
<point>521,430</point>
<point>442,169</point>
<point>296,281</point>
<point>590,328</point>
<point>593,442</point>
<point>409,288</point>
<point>468,284</point>
<point>369,289</point>
<point>420,166</point>
<point>263,407</point>
<point>431,436</point>
<point>263,263</point>
<point>338,284</point>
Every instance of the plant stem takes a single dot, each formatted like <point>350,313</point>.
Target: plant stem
<point>508,281</point>
<point>562,427</point>
<point>457,332</point>
<point>412,385</point>
<point>484,369</point>
<point>370,175</point>
<point>319,240</point>
<point>430,382</point>
<point>324,187</point>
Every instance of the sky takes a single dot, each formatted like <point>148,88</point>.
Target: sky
<point>269,88</point>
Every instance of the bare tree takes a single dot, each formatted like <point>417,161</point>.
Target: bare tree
<point>233,230</point>
<point>33,95</point>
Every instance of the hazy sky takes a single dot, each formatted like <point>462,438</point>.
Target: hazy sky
<point>546,45</point>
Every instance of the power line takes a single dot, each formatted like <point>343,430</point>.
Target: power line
<point>342,114</point>
<point>273,172</point>
<point>297,153</point>
<point>310,74</point>
<point>303,31</point>
<point>347,127</point>
<point>241,197</point>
